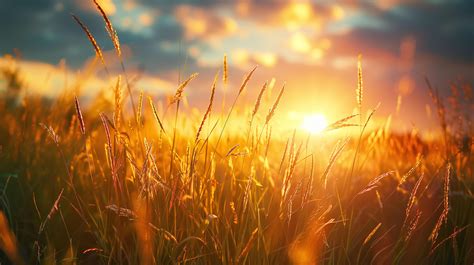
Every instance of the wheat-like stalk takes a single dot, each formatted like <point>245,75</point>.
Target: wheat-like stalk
<point>107,134</point>
<point>209,108</point>
<point>118,102</point>
<point>287,179</point>
<point>53,210</point>
<point>452,236</point>
<point>411,171</point>
<point>446,188</point>
<point>242,87</point>
<point>372,233</point>
<point>155,114</point>
<point>341,123</point>
<point>110,29</point>
<point>179,91</point>
<point>54,136</point>
<point>259,99</point>
<point>275,105</point>
<point>413,226</point>
<point>412,199</point>
<point>98,50</point>
<point>359,91</point>
<point>235,218</point>
<point>374,183</point>
<point>246,80</point>
<point>443,218</point>
<point>335,154</point>
<point>249,245</point>
<point>225,75</point>
<point>79,115</point>
<point>140,107</point>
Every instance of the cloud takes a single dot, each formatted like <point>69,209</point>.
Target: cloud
<point>308,43</point>
<point>442,32</point>
<point>289,14</point>
<point>202,23</point>
<point>107,5</point>
<point>50,80</point>
<point>245,59</point>
<point>300,43</point>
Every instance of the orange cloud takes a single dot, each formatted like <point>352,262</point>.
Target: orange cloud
<point>243,58</point>
<point>292,15</point>
<point>49,80</point>
<point>300,43</point>
<point>146,19</point>
<point>266,59</point>
<point>108,6</point>
<point>199,23</point>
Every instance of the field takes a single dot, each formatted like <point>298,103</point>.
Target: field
<point>134,179</point>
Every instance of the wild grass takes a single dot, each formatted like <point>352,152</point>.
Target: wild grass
<point>78,187</point>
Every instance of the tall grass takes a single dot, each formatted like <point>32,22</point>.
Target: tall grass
<point>144,188</point>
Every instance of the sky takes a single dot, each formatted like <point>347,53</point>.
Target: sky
<point>311,46</point>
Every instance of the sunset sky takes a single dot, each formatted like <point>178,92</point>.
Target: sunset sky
<point>310,45</point>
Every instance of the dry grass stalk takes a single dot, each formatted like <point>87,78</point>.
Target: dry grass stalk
<point>79,115</point>
<point>53,210</point>
<point>287,180</point>
<point>51,133</point>
<point>275,105</point>
<point>412,199</point>
<point>110,29</point>
<point>246,80</point>
<point>235,218</point>
<point>155,114</point>
<point>118,102</point>
<point>371,234</point>
<point>231,150</point>
<point>91,38</point>
<point>443,218</point>
<point>341,123</point>
<point>259,100</point>
<point>249,245</point>
<point>140,107</point>
<point>359,91</point>
<point>452,236</point>
<point>225,75</point>
<point>121,211</point>
<point>411,171</point>
<point>179,91</point>
<point>439,104</point>
<point>379,199</point>
<point>374,183</point>
<point>335,154</point>
<point>242,87</point>
<point>109,143</point>
<point>413,225</point>
<point>250,179</point>
<point>446,189</point>
<point>209,108</point>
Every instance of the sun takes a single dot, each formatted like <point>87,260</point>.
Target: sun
<point>314,123</point>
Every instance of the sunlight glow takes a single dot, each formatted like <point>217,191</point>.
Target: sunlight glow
<point>314,123</point>
<point>300,43</point>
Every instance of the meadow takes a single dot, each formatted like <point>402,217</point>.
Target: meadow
<point>136,179</point>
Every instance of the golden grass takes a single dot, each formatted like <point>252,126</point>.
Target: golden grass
<point>118,193</point>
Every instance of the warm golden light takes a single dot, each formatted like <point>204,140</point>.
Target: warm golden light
<point>300,43</point>
<point>314,123</point>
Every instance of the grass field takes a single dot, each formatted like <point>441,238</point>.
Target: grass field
<point>140,180</point>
